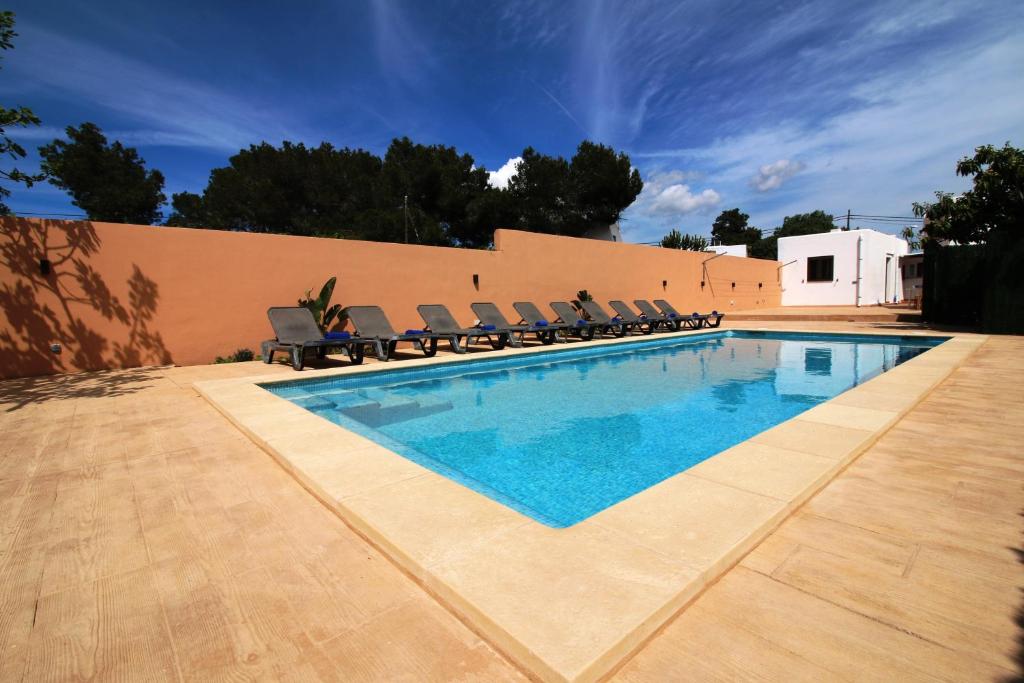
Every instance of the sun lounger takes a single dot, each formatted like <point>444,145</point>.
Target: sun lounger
<point>490,316</point>
<point>648,311</point>
<point>627,314</point>
<point>700,319</point>
<point>371,323</point>
<point>296,332</point>
<point>439,320</point>
<point>617,326</point>
<point>532,316</point>
<point>576,324</point>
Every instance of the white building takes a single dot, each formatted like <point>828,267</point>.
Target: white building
<point>854,267</point>
<point>608,233</point>
<point>729,249</point>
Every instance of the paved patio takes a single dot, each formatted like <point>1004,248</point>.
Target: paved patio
<point>142,537</point>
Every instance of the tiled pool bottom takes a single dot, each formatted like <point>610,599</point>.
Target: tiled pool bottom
<point>560,436</point>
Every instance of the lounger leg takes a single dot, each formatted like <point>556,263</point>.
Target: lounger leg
<point>499,343</point>
<point>621,332</point>
<point>431,348</point>
<point>297,353</point>
<point>355,354</point>
<point>392,345</point>
<point>456,347</point>
<point>267,352</point>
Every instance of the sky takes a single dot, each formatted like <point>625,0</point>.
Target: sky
<point>776,108</point>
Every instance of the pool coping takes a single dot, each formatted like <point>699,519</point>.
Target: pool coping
<point>570,604</point>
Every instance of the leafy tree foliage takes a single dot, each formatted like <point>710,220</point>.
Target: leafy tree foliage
<point>767,247</point>
<point>806,224</point>
<point>602,184</point>
<point>420,193</point>
<point>18,117</point>
<point>992,211</point>
<point>912,238</point>
<point>293,189</point>
<point>731,228</point>
<point>107,181</point>
<point>676,240</point>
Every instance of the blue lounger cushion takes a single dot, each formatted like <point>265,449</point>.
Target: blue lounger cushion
<point>541,323</point>
<point>339,336</point>
<point>488,328</point>
<point>414,332</point>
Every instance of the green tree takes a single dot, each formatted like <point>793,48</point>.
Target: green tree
<point>731,228</point>
<point>440,184</point>
<point>188,211</point>
<point>18,117</point>
<point>806,224</point>
<point>431,193</point>
<point>552,195</point>
<point>107,181</point>
<point>291,189</point>
<point>676,240</point>
<point>541,193</point>
<point>602,184</point>
<point>767,247</point>
<point>912,238</point>
<point>992,211</point>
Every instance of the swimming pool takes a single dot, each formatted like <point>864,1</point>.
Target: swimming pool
<point>562,435</point>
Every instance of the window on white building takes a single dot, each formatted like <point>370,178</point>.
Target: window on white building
<point>819,268</point>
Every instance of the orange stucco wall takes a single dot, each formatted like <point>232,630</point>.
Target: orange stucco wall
<point>126,295</point>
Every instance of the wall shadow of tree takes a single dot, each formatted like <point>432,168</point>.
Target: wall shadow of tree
<point>45,308</point>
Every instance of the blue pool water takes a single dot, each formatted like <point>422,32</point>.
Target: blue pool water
<point>562,435</point>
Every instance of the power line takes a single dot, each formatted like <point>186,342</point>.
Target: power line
<point>30,214</point>
<point>871,215</point>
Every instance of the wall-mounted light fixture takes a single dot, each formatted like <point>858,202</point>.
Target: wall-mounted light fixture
<point>702,283</point>
<point>664,284</point>
<point>44,266</point>
<point>760,285</point>
<point>476,280</point>
<point>734,285</point>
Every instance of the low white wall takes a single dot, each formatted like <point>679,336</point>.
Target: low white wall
<point>729,249</point>
<point>880,280</point>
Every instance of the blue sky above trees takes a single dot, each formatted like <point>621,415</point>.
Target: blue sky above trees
<point>778,109</point>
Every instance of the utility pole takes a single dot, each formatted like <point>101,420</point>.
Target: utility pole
<point>405,209</point>
<point>848,221</point>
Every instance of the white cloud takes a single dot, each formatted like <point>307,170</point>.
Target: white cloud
<point>771,176</point>
<point>504,174</point>
<point>679,199</point>
<point>667,194</point>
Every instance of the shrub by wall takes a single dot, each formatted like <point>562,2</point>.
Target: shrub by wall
<point>978,286</point>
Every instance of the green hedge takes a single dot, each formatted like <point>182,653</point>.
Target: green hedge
<point>979,286</point>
